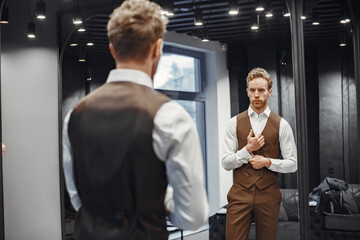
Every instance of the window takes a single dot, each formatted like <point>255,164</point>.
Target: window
<point>181,76</point>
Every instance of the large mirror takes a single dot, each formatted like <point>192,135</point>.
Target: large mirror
<point>192,72</point>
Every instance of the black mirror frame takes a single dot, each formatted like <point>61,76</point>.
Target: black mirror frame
<point>298,56</point>
<point>2,229</point>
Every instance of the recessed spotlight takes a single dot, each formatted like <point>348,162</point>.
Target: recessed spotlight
<point>269,15</point>
<point>90,44</point>
<point>342,44</point>
<point>286,14</point>
<point>315,23</point>
<point>303,17</point>
<point>73,44</point>
<point>259,9</point>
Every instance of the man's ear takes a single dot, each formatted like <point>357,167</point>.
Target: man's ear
<point>112,51</point>
<point>157,48</point>
<point>270,91</point>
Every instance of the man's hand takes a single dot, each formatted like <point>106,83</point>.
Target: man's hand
<point>3,149</point>
<point>258,161</point>
<point>254,143</point>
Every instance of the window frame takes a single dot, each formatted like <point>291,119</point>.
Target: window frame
<point>197,96</point>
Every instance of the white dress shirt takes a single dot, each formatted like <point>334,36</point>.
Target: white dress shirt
<point>234,158</point>
<point>176,142</point>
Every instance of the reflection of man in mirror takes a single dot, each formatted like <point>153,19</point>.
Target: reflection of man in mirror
<point>254,141</point>
<point>3,148</point>
<point>124,142</point>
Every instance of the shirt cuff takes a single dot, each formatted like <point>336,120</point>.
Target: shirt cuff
<point>243,155</point>
<point>272,165</point>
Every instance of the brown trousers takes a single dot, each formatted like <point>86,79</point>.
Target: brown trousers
<point>264,205</point>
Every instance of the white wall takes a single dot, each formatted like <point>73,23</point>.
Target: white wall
<point>217,113</point>
<point>29,100</point>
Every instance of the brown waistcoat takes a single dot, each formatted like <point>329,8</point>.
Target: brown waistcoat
<point>120,180</point>
<point>246,175</point>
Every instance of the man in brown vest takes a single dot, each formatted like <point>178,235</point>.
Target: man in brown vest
<point>254,141</point>
<point>124,142</point>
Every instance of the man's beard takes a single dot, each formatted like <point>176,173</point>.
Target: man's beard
<point>258,103</point>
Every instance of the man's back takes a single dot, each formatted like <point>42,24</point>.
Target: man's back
<point>120,180</point>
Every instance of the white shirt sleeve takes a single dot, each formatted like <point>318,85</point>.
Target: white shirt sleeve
<point>68,166</point>
<point>176,142</point>
<point>288,163</point>
<point>232,157</point>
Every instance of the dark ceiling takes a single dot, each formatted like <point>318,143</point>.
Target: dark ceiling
<point>220,26</point>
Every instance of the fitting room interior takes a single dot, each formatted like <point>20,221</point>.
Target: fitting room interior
<point>311,48</point>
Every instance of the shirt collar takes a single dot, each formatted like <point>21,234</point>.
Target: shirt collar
<point>266,112</point>
<point>130,75</point>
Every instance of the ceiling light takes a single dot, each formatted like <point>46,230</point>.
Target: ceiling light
<point>90,44</point>
<point>168,8</point>
<point>198,19</point>
<point>286,12</point>
<point>344,16</point>
<point>233,12</point>
<point>4,15</point>
<point>31,30</point>
<point>205,37</point>
<point>73,44</point>
<point>81,28</point>
<point>255,22</point>
<point>315,19</point>
<point>233,7</point>
<point>269,15</point>
<point>343,40</point>
<point>284,57</point>
<point>77,18</point>
<point>40,10</point>
<point>303,17</point>
<point>82,56</point>
<point>259,6</point>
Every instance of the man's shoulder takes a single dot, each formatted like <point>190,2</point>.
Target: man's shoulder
<point>242,115</point>
<point>275,117</point>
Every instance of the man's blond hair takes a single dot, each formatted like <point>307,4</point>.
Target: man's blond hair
<point>134,27</point>
<point>259,73</point>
